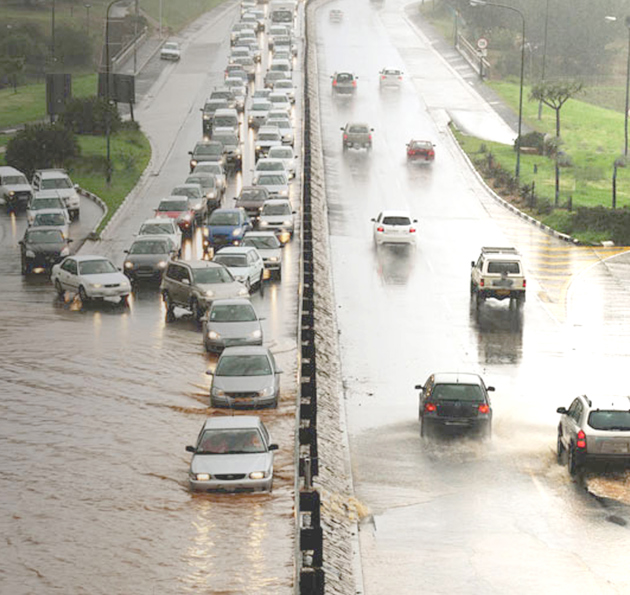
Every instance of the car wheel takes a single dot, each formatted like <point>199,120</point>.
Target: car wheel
<point>345,147</point>
<point>59,289</point>
<point>25,267</point>
<point>472,288</point>
<point>196,309</point>
<point>83,295</point>
<point>573,465</point>
<point>480,299</point>
<point>248,285</point>
<point>424,430</point>
<point>124,301</point>
<point>559,450</point>
<point>168,304</point>
<point>261,285</point>
<point>279,274</point>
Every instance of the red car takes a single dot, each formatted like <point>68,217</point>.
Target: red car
<point>177,207</point>
<point>420,150</point>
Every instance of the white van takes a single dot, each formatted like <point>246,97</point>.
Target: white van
<point>225,120</point>
<point>15,191</point>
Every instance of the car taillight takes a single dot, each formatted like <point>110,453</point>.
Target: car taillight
<point>431,154</point>
<point>483,408</point>
<point>383,77</point>
<point>410,152</point>
<point>380,229</point>
<point>581,439</point>
<point>354,83</point>
<point>369,137</point>
<point>334,83</point>
<point>524,283</point>
<point>412,230</point>
<point>430,407</point>
<point>482,283</point>
<point>345,136</point>
<point>400,78</point>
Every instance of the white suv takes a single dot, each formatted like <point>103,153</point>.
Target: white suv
<point>498,273</point>
<point>58,179</point>
<point>594,429</point>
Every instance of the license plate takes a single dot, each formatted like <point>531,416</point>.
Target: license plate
<point>503,283</point>
<point>618,448</point>
<point>502,292</point>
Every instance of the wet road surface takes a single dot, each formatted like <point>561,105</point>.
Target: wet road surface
<point>455,515</point>
<point>99,401</point>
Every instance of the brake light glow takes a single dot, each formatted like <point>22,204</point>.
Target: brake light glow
<point>430,407</point>
<point>482,283</point>
<point>581,439</point>
<point>431,154</point>
<point>410,152</point>
<point>524,282</point>
<point>345,136</point>
<point>354,83</point>
<point>334,83</point>
<point>383,77</point>
<point>370,136</point>
<point>484,408</point>
<point>400,78</point>
<point>380,229</point>
<point>412,230</point>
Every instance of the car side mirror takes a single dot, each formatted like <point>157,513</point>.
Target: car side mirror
<point>272,447</point>
<point>190,152</point>
<point>279,371</point>
<point>191,449</point>
<point>342,128</point>
<point>209,372</point>
<point>419,387</point>
<point>186,281</point>
<point>472,263</point>
<point>562,410</point>
<point>372,219</point>
<point>21,242</point>
<point>76,186</point>
<point>371,129</point>
<point>120,269</point>
<point>415,221</point>
<point>126,251</point>
<point>490,388</point>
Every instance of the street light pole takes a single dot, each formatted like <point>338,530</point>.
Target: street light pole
<point>52,34</point>
<point>544,58</point>
<point>87,18</point>
<point>625,115</point>
<point>517,171</point>
<point>108,173</point>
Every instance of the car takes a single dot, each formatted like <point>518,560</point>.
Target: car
<point>162,227</point>
<point>262,93</point>
<point>216,169</point>
<point>208,110</point>
<point>45,199</point>
<point>271,76</point>
<point>248,5</point>
<point>239,88</point>
<point>15,191</point>
<point>280,100</point>
<point>147,258</point>
<point>394,227</point>
<point>258,112</point>
<point>231,322</point>
<point>594,429</point>
<point>41,248</point>
<point>195,284</point>
<point>178,209</point>
<point>245,377</point>
<point>285,128</point>
<point>390,77</point>
<point>285,86</point>
<point>232,454</point>
<point>196,198</point>
<point>420,150</point>
<point>206,151</point>
<point>251,43</point>
<point>251,198</point>
<point>170,51</point>
<point>285,42</point>
<point>225,120</point>
<point>335,15</point>
<point>231,149</point>
<point>277,182</point>
<point>58,218</point>
<point>498,273</point>
<point>251,19</point>
<point>266,164</point>
<point>245,263</point>
<point>269,247</point>
<point>281,65</point>
<point>209,187</point>
<point>344,83</point>
<point>247,63</point>
<point>277,215</point>
<point>455,401</point>
<point>240,52</point>
<point>225,227</point>
<point>286,155</point>
<point>357,135</point>
<point>237,29</point>
<point>281,53</point>
<point>274,31</point>
<point>224,93</point>
<point>267,137</point>
<point>91,277</point>
<point>58,179</point>
<point>259,13</point>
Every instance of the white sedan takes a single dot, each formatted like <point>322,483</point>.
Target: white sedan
<point>394,227</point>
<point>90,276</point>
<point>170,51</point>
<point>276,183</point>
<point>286,154</point>
<point>245,263</point>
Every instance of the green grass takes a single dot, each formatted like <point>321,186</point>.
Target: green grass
<point>130,153</point>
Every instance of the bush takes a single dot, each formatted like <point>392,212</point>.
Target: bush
<point>535,140</point>
<point>41,146</point>
<point>87,115</point>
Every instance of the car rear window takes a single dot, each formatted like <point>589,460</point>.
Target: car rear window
<point>610,420</point>
<point>344,78</point>
<point>500,267</point>
<point>396,221</point>
<point>457,392</point>
<point>358,129</point>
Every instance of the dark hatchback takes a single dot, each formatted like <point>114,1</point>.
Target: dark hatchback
<point>455,402</point>
<point>41,248</point>
<point>147,258</point>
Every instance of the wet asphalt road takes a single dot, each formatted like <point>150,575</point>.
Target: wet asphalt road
<point>454,515</point>
<point>99,402</point>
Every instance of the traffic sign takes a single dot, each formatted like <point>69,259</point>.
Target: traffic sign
<point>482,43</point>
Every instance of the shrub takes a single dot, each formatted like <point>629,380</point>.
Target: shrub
<point>535,140</point>
<point>87,115</point>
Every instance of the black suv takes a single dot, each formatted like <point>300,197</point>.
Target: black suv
<point>456,401</point>
<point>42,247</point>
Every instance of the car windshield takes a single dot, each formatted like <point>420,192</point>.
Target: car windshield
<point>218,218</point>
<point>46,203</point>
<point>171,46</point>
<point>227,140</point>
<point>14,180</point>
<point>280,123</point>
<point>149,247</point>
<point>276,210</point>
<point>44,236</point>
<point>212,106</point>
<point>213,149</point>
<point>226,122</point>
<point>610,420</point>
<point>457,392</point>
<point>501,267</point>
<point>56,183</point>
<point>243,365</point>
<point>96,267</point>
<point>261,106</point>
<point>270,166</point>
<point>173,205</point>
<point>271,180</point>
<point>284,85</point>
<point>231,260</point>
<point>269,136</point>
<point>232,441</point>
<point>281,153</point>
<point>204,181</point>
<point>151,229</point>
<point>211,168</point>
<point>49,219</point>
<point>266,242</point>
<point>232,313</point>
<point>396,220</point>
<point>279,99</point>
<point>209,275</point>
<point>221,95</point>
<point>189,191</point>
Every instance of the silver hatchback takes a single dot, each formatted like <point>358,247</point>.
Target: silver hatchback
<point>231,322</point>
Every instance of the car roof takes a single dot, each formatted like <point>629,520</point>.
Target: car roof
<point>188,184</point>
<point>53,210</point>
<point>357,124</point>
<point>52,193</point>
<point>278,201</point>
<point>245,349</point>
<point>43,228</point>
<point>84,257</point>
<point>457,378</point>
<point>198,264</point>
<point>159,220</point>
<point>226,210</point>
<point>53,173</point>
<point>608,402</point>
<point>235,250</point>
<point>259,234</point>
<point>231,302</point>
<point>232,421</point>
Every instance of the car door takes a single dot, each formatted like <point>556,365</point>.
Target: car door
<point>569,421</point>
<point>377,223</point>
<point>68,274</point>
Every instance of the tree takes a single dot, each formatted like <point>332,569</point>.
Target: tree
<point>555,94</point>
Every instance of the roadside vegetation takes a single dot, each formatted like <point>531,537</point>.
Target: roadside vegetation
<point>590,147</point>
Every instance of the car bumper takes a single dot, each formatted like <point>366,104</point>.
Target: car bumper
<point>221,344</point>
<point>231,485</point>
<point>502,294</point>
<point>475,424</point>
<point>244,403</point>
<point>144,274</point>
<point>107,292</point>
<point>394,239</point>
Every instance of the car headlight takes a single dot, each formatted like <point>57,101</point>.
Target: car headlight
<point>197,206</point>
<point>287,222</point>
<point>95,285</point>
<point>258,147</point>
<point>162,264</point>
<point>193,162</point>
<point>266,392</point>
<point>65,251</point>
<point>237,232</point>
<point>237,152</point>
<point>218,392</point>
<point>211,194</point>
<point>11,192</point>
<point>243,292</point>
<point>209,293</point>
<point>205,232</point>
<point>273,259</point>
<point>206,117</point>
<point>214,335</point>
<point>128,264</point>
<point>283,192</point>
<point>186,217</point>
<point>263,224</point>
<point>284,237</point>
<point>202,476</point>
<point>30,254</point>
<point>257,475</point>
<point>256,334</point>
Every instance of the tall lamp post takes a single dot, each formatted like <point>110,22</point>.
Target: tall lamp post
<point>544,58</point>
<point>108,173</point>
<point>52,34</point>
<point>517,171</point>
<point>87,18</point>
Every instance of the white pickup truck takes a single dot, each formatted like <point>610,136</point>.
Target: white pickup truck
<point>498,273</point>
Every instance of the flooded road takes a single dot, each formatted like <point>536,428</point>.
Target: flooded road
<point>99,402</point>
<point>457,515</point>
